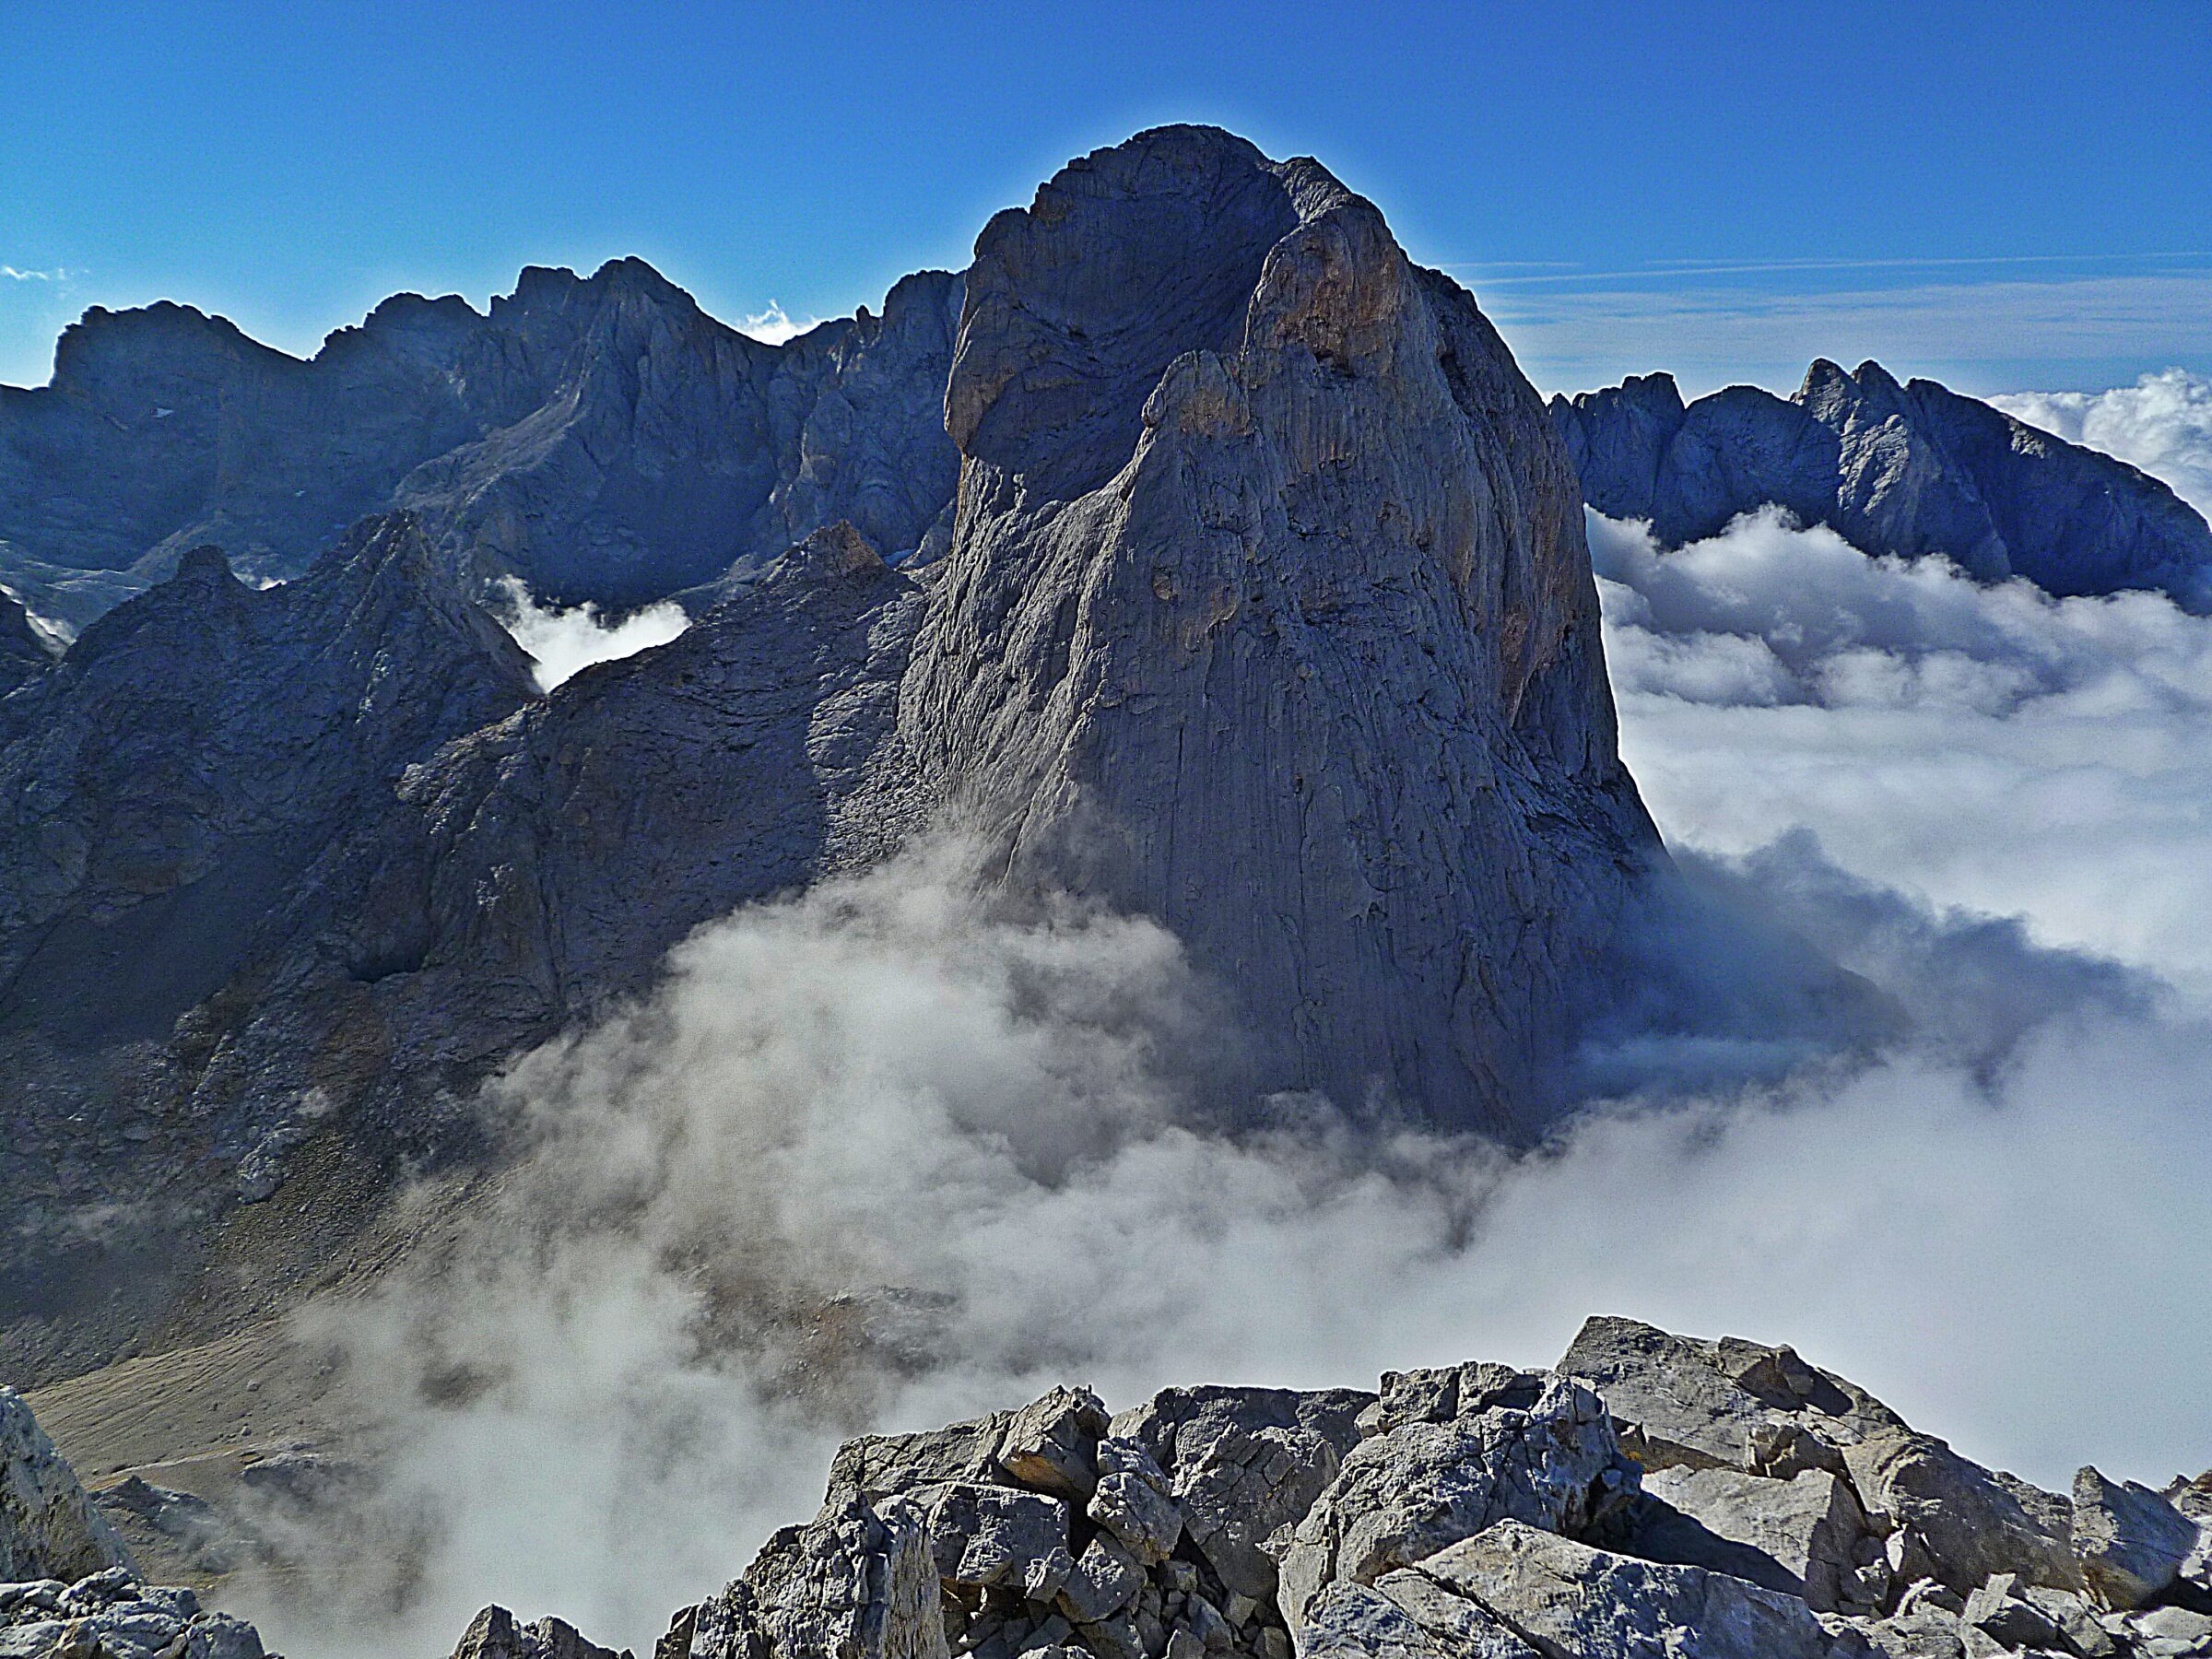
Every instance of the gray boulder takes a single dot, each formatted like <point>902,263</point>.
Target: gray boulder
<point>859,1581</point>
<point>1950,1519</point>
<point>1242,1463</point>
<point>494,1634</point>
<point>48,1528</point>
<point>1404,1616</point>
<point>1135,1503</point>
<point>1569,1601</point>
<point>1401,1496</point>
<point>1052,1443</point>
<point>1725,1404</point>
<point>111,1615</point>
<point>1804,1536</point>
<point>2132,1542</point>
<point>1898,470</point>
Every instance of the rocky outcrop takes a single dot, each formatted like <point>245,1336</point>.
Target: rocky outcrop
<point>1897,470</point>
<point>48,1528</point>
<point>1268,614</point>
<point>1402,1494</point>
<point>112,1616</point>
<point>600,437</point>
<point>1474,1510</point>
<point>1730,1404</point>
<point>495,1634</point>
<point>68,1588</point>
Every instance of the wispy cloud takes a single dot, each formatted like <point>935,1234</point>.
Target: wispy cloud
<point>775,325</point>
<point>16,274</point>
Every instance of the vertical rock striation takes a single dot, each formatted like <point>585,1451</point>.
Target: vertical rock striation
<point>1268,614</point>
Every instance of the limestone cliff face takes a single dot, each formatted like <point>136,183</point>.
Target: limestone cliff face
<point>1903,470</point>
<point>1269,613</point>
<point>601,436</point>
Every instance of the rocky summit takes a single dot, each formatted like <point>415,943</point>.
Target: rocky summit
<point>1900,471</point>
<point>1263,609</point>
<point>1650,1495</point>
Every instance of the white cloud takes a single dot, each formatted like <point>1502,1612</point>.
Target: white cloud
<point>565,642</point>
<point>2163,424</point>
<point>15,274</point>
<point>1989,748</point>
<point>775,325</point>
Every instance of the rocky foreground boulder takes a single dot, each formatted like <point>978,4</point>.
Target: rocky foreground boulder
<point>1897,470</point>
<point>1475,1511</point>
<point>1470,1510</point>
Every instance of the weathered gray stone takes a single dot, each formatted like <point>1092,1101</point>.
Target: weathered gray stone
<point>1569,1601</point>
<point>1899,471</point>
<point>1801,1536</point>
<point>1406,1617</point>
<point>1950,1519</point>
<point>1105,1581</point>
<point>987,1535</point>
<point>109,1615</point>
<point>1052,1443</point>
<point>2132,1542</point>
<point>1401,1496</point>
<point>859,1581</point>
<point>1244,1463</point>
<point>1133,1500</point>
<point>1728,1404</point>
<point>49,1527</point>
<point>2009,1619</point>
<point>1437,1394</point>
<point>495,1634</point>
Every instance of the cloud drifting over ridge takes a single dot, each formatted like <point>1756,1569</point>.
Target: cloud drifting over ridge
<point>566,643</point>
<point>2163,424</point>
<point>893,1150</point>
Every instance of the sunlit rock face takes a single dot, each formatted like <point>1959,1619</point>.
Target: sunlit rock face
<point>1899,470</point>
<point>1269,613</point>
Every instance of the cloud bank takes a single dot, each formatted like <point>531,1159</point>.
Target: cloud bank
<point>1983,747</point>
<point>900,1148</point>
<point>565,642</point>
<point>2163,424</point>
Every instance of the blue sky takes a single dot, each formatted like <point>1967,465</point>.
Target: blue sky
<point>2006,198</point>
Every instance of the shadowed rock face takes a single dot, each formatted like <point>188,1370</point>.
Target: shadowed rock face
<point>1268,614</point>
<point>1896,470</point>
<point>601,436</point>
<point>22,650</point>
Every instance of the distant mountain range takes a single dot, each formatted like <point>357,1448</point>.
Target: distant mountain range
<point>1897,470</point>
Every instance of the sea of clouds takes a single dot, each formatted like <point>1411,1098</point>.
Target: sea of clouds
<point>898,1150</point>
